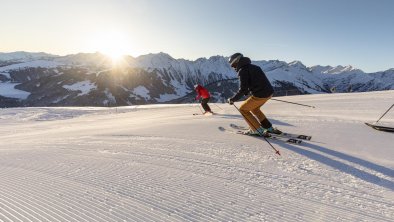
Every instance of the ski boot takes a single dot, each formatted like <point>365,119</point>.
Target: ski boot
<point>273,131</point>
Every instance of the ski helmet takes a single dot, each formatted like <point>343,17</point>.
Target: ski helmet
<point>195,86</point>
<point>234,59</point>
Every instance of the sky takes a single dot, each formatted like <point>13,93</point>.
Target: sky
<point>316,32</point>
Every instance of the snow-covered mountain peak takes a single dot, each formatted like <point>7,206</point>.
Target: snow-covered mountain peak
<point>343,69</point>
<point>218,58</point>
<point>157,60</point>
<point>24,56</point>
<point>319,69</point>
<point>162,78</point>
<point>160,55</point>
<point>270,65</point>
<point>86,59</point>
<point>296,63</point>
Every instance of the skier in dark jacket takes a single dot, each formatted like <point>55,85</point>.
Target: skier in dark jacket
<point>253,81</point>
<point>205,96</point>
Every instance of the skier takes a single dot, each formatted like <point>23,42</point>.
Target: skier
<point>253,81</point>
<point>205,96</point>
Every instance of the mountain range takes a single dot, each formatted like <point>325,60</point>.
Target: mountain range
<point>93,79</point>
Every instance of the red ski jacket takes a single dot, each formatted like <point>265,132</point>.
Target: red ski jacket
<point>202,92</point>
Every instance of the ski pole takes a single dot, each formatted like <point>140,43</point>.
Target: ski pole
<point>200,109</point>
<point>385,113</point>
<point>218,106</point>
<point>293,103</point>
<point>276,151</point>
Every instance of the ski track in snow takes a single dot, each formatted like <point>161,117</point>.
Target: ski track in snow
<point>167,165</point>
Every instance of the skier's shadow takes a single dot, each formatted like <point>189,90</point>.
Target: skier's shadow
<point>278,122</point>
<point>346,168</point>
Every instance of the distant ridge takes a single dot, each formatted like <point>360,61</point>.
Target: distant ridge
<point>92,79</point>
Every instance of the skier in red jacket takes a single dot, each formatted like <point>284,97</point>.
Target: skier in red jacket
<point>204,94</point>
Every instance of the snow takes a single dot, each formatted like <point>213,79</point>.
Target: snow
<point>7,75</point>
<point>12,56</point>
<point>344,69</point>
<point>167,97</point>
<point>183,73</point>
<point>111,98</point>
<point>163,61</point>
<point>31,64</point>
<point>161,163</point>
<point>142,92</point>
<point>84,86</point>
<point>7,89</point>
<point>180,89</point>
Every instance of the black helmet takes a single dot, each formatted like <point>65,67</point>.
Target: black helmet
<point>234,59</point>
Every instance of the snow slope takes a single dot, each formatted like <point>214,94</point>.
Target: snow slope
<point>161,163</point>
<point>7,89</point>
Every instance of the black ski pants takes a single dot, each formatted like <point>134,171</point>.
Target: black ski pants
<point>204,104</point>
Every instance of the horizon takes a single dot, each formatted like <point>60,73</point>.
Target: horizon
<point>208,57</point>
<point>356,33</point>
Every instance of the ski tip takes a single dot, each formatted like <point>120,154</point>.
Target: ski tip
<point>303,137</point>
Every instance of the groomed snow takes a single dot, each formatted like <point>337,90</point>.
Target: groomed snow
<point>161,163</point>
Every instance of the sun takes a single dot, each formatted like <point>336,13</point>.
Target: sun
<point>111,43</point>
<point>115,53</point>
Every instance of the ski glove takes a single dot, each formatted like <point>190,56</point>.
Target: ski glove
<point>231,102</point>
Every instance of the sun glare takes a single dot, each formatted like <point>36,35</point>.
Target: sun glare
<point>112,44</point>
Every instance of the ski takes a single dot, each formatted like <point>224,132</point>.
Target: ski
<point>284,134</point>
<point>203,114</point>
<point>380,128</point>
<point>271,136</point>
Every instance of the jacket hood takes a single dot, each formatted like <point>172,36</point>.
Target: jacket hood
<point>243,62</point>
